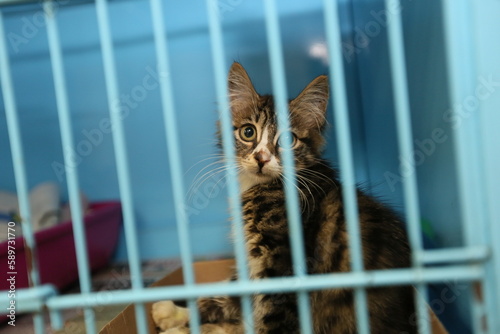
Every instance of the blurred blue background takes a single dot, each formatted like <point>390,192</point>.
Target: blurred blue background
<point>368,81</point>
<point>379,168</point>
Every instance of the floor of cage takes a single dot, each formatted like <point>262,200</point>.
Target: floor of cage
<point>115,277</point>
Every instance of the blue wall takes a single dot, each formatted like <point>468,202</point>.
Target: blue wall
<point>191,72</point>
<point>432,133</point>
<point>429,101</point>
<point>369,89</point>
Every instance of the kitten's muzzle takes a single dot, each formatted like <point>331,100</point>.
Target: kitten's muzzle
<point>262,158</point>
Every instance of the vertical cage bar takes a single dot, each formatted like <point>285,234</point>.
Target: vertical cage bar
<point>21,180</point>
<point>461,76</point>
<point>341,112</point>
<point>121,159</point>
<point>172,138</point>
<point>488,53</point>
<point>458,30</point>
<point>291,194</point>
<point>218,57</point>
<point>71,171</point>
<point>404,131</point>
<point>492,279</point>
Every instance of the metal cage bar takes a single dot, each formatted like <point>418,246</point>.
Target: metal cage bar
<point>71,171</point>
<point>457,22</point>
<point>172,141</point>
<point>31,299</point>
<point>376,278</point>
<point>291,193</point>
<point>337,78</point>
<point>121,159</point>
<point>218,56</point>
<point>450,255</point>
<point>405,137</point>
<point>19,167</point>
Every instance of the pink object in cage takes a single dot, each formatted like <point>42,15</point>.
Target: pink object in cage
<point>56,254</point>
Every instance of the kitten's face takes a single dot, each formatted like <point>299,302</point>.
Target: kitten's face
<point>257,139</point>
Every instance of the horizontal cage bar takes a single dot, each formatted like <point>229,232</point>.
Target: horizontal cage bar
<point>288,284</point>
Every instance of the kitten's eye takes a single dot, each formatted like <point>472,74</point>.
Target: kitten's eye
<point>248,133</point>
<point>285,137</point>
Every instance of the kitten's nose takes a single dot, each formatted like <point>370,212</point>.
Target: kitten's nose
<point>262,158</point>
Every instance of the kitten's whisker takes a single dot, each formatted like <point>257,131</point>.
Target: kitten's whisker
<point>323,163</point>
<point>199,178</point>
<point>211,156</point>
<point>199,181</point>
<point>313,176</point>
<point>302,196</point>
<point>225,177</point>
<point>203,178</point>
<point>303,181</point>
<point>208,156</point>
<point>212,142</point>
<point>319,176</point>
<point>199,188</point>
<point>206,167</point>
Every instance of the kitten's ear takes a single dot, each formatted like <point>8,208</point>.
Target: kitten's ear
<point>242,94</point>
<point>309,108</point>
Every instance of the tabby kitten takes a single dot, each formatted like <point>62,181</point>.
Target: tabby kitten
<point>258,151</point>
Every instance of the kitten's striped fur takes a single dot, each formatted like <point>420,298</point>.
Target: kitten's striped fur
<point>326,240</point>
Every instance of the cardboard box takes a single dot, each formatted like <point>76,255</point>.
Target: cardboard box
<point>205,272</point>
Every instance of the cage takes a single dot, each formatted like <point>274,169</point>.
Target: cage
<point>119,99</point>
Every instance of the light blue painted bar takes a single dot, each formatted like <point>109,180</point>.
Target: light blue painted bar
<point>56,320</point>
<point>463,254</point>
<point>487,63</point>
<point>462,83</point>
<point>18,162</point>
<point>71,171</point>
<point>492,279</point>
<point>219,64</point>
<point>172,137</point>
<point>292,199</point>
<point>493,269</point>
<point>17,149</point>
<point>33,300</point>
<point>121,160</point>
<point>403,119</point>
<point>377,278</point>
<point>341,114</point>
<point>458,29</point>
<point>28,299</point>
<point>403,122</point>
<point>14,2</point>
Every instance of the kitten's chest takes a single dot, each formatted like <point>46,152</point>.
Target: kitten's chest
<point>266,233</point>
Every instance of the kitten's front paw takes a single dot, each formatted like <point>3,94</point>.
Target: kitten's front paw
<point>205,329</point>
<point>167,315</point>
<point>212,329</point>
<point>177,330</point>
